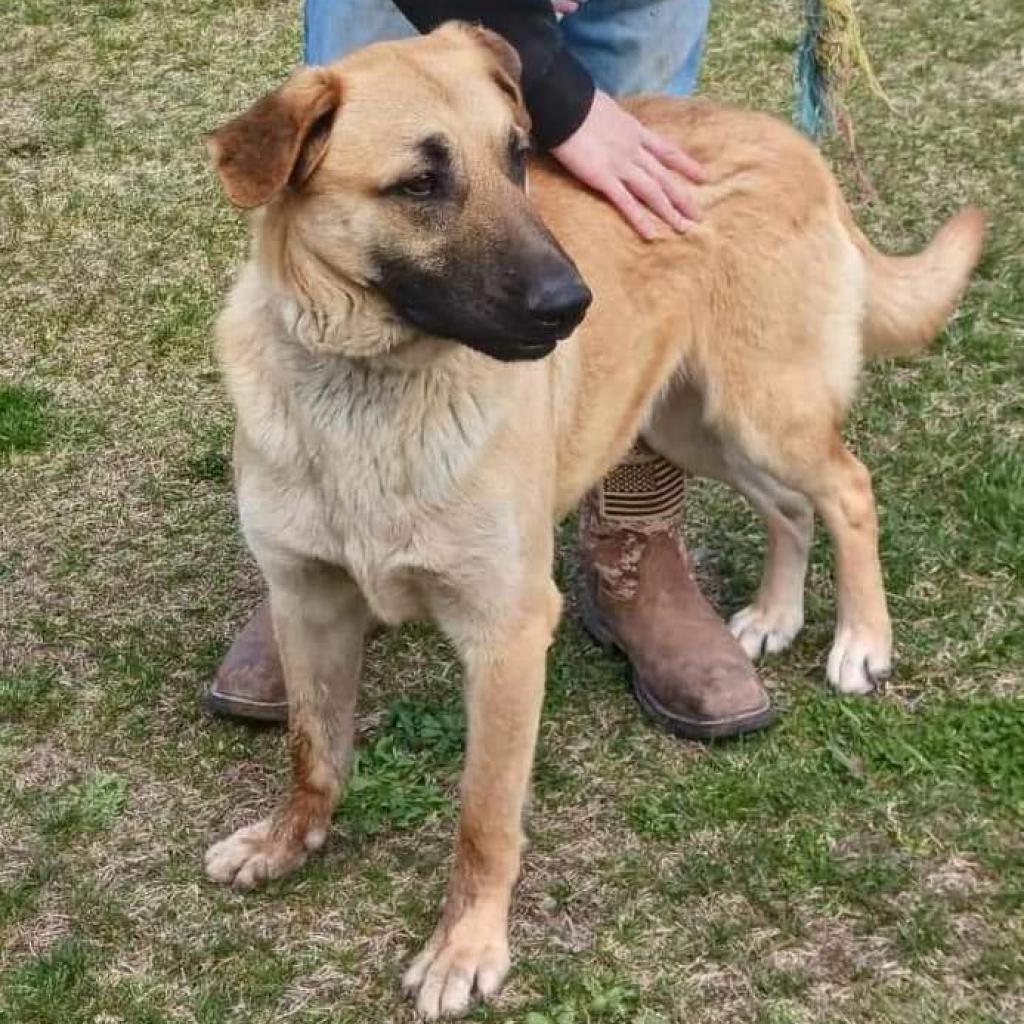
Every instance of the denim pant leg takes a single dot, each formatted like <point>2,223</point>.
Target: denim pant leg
<point>334,28</point>
<point>627,45</point>
<point>640,45</point>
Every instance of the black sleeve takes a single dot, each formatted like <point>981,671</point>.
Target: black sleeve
<point>557,88</point>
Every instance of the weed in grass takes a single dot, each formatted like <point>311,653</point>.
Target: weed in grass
<point>23,419</point>
<point>32,695</point>
<point>46,988</point>
<point>591,997</point>
<point>403,776</point>
<point>90,806</point>
<point>923,931</point>
<point>210,467</point>
<point>75,119</point>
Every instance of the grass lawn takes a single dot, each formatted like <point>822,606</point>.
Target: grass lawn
<point>860,863</point>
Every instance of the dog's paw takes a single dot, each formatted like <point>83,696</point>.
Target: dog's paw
<point>763,631</point>
<point>860,659</point>
<point>256,854</point>
<point>467,959</point>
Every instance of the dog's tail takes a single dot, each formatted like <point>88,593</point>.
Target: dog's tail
<point>909,298</point>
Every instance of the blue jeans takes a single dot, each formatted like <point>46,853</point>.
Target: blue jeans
<point>627,45</point>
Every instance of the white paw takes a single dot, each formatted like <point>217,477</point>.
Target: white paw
<point>766,631</point>
<point>860,659</point>
<point>464,962</point>
<point>256,854</point>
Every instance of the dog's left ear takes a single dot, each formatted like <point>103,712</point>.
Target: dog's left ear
<point>506,67</point>
<point>279,140</point>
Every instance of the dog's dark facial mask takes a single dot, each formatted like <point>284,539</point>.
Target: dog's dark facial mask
<point>513,302</point>
<point>512,294</point>
<point>496,279</point>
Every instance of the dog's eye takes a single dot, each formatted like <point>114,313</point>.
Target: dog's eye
<point>518,149</point>
<point>421,187</point>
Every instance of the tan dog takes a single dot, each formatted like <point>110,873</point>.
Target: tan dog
<point>386,468</point>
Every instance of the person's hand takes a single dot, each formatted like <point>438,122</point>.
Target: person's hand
<point>633,167</point>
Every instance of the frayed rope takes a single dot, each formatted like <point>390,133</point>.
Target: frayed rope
<point>828,56</point>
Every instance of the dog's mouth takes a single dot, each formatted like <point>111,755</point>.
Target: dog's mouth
<point>512,351</point>
<point>511,346</point>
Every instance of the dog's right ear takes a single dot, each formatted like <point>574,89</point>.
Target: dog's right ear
<point>279,141</point>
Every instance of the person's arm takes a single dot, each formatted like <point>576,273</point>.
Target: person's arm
<point>557,89</point>
<point>591,135</point>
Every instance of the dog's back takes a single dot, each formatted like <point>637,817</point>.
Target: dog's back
<point>766,186</point>
<point>777,275</point>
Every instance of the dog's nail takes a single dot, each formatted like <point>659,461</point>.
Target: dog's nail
<point>880,679</point>
<point>875,679</point>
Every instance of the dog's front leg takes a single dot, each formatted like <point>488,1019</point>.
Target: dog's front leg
<point>505,689</point>
<point>320,620</point>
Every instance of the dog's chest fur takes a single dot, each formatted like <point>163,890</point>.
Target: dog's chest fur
<point>373,470</point>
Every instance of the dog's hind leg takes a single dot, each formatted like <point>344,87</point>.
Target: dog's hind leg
<point>772,620</point>
<point>505,662</point>
<point>320,621</point>
<point>776,615</point>
<point>818,465</point>
<point>840,488</point>
<point>787,458</point>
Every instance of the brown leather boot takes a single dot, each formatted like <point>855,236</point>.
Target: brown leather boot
<point>250,682</point>
<point>640,596</point>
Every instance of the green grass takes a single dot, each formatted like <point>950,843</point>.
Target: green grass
<point>22,419</point>
<point>860,863</point>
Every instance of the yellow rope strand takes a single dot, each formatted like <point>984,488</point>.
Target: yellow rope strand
<point>841,50</point>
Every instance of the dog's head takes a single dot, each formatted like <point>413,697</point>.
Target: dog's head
<point>399,174</point>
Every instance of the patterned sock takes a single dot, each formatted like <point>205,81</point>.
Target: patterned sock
<point>644,489</point>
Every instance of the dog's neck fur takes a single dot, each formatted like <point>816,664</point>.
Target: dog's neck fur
<point>413,419</point>
<point>350,324</point>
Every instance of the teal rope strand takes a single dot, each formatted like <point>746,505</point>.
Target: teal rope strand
<point>813,113</point>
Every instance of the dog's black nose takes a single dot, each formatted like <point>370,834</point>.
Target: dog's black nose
<point>558,301</point>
